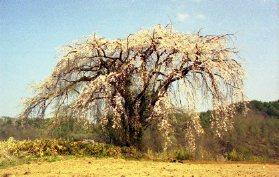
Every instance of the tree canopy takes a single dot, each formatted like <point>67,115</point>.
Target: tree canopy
<point>133,82</point>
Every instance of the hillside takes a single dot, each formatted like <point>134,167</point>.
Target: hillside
<point>267,109</point>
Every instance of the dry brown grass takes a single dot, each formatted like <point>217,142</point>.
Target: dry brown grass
<point>120,167</point>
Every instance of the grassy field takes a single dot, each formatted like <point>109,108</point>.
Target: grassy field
<point>124,168</point>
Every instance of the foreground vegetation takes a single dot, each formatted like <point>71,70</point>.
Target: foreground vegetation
<point>14,152</point>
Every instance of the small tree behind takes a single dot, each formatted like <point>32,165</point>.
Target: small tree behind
<point>131,83</point>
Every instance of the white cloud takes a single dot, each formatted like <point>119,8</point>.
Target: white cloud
<point>182,17</point>
<point>200,16</point>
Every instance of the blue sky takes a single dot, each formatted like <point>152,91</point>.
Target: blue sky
<point>31,31</point>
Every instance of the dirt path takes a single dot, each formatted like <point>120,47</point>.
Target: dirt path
<point>126,168</point>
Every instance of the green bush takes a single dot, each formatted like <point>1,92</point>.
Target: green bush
<point>183,154</point>
<point>234,156</point>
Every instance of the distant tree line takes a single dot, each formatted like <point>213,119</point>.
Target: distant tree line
<point>269,108</point>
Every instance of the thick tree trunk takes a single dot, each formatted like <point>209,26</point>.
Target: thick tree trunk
<point>134,117</point>
<point>132,126</point>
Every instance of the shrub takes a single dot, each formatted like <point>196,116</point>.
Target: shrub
<point>234,156</point>
<point>47,147</point>
<point>183,154</point>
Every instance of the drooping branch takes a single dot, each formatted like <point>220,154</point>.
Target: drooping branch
<point>128,78</point>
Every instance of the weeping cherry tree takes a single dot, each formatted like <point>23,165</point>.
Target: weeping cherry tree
<point>134,82</point>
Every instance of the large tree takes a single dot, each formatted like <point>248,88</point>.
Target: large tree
<point>130,83</point>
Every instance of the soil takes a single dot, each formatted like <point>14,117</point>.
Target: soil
<point>125,168</point>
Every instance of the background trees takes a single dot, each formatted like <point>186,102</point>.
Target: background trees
<point>255,135</point>
<point>129,84</point>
